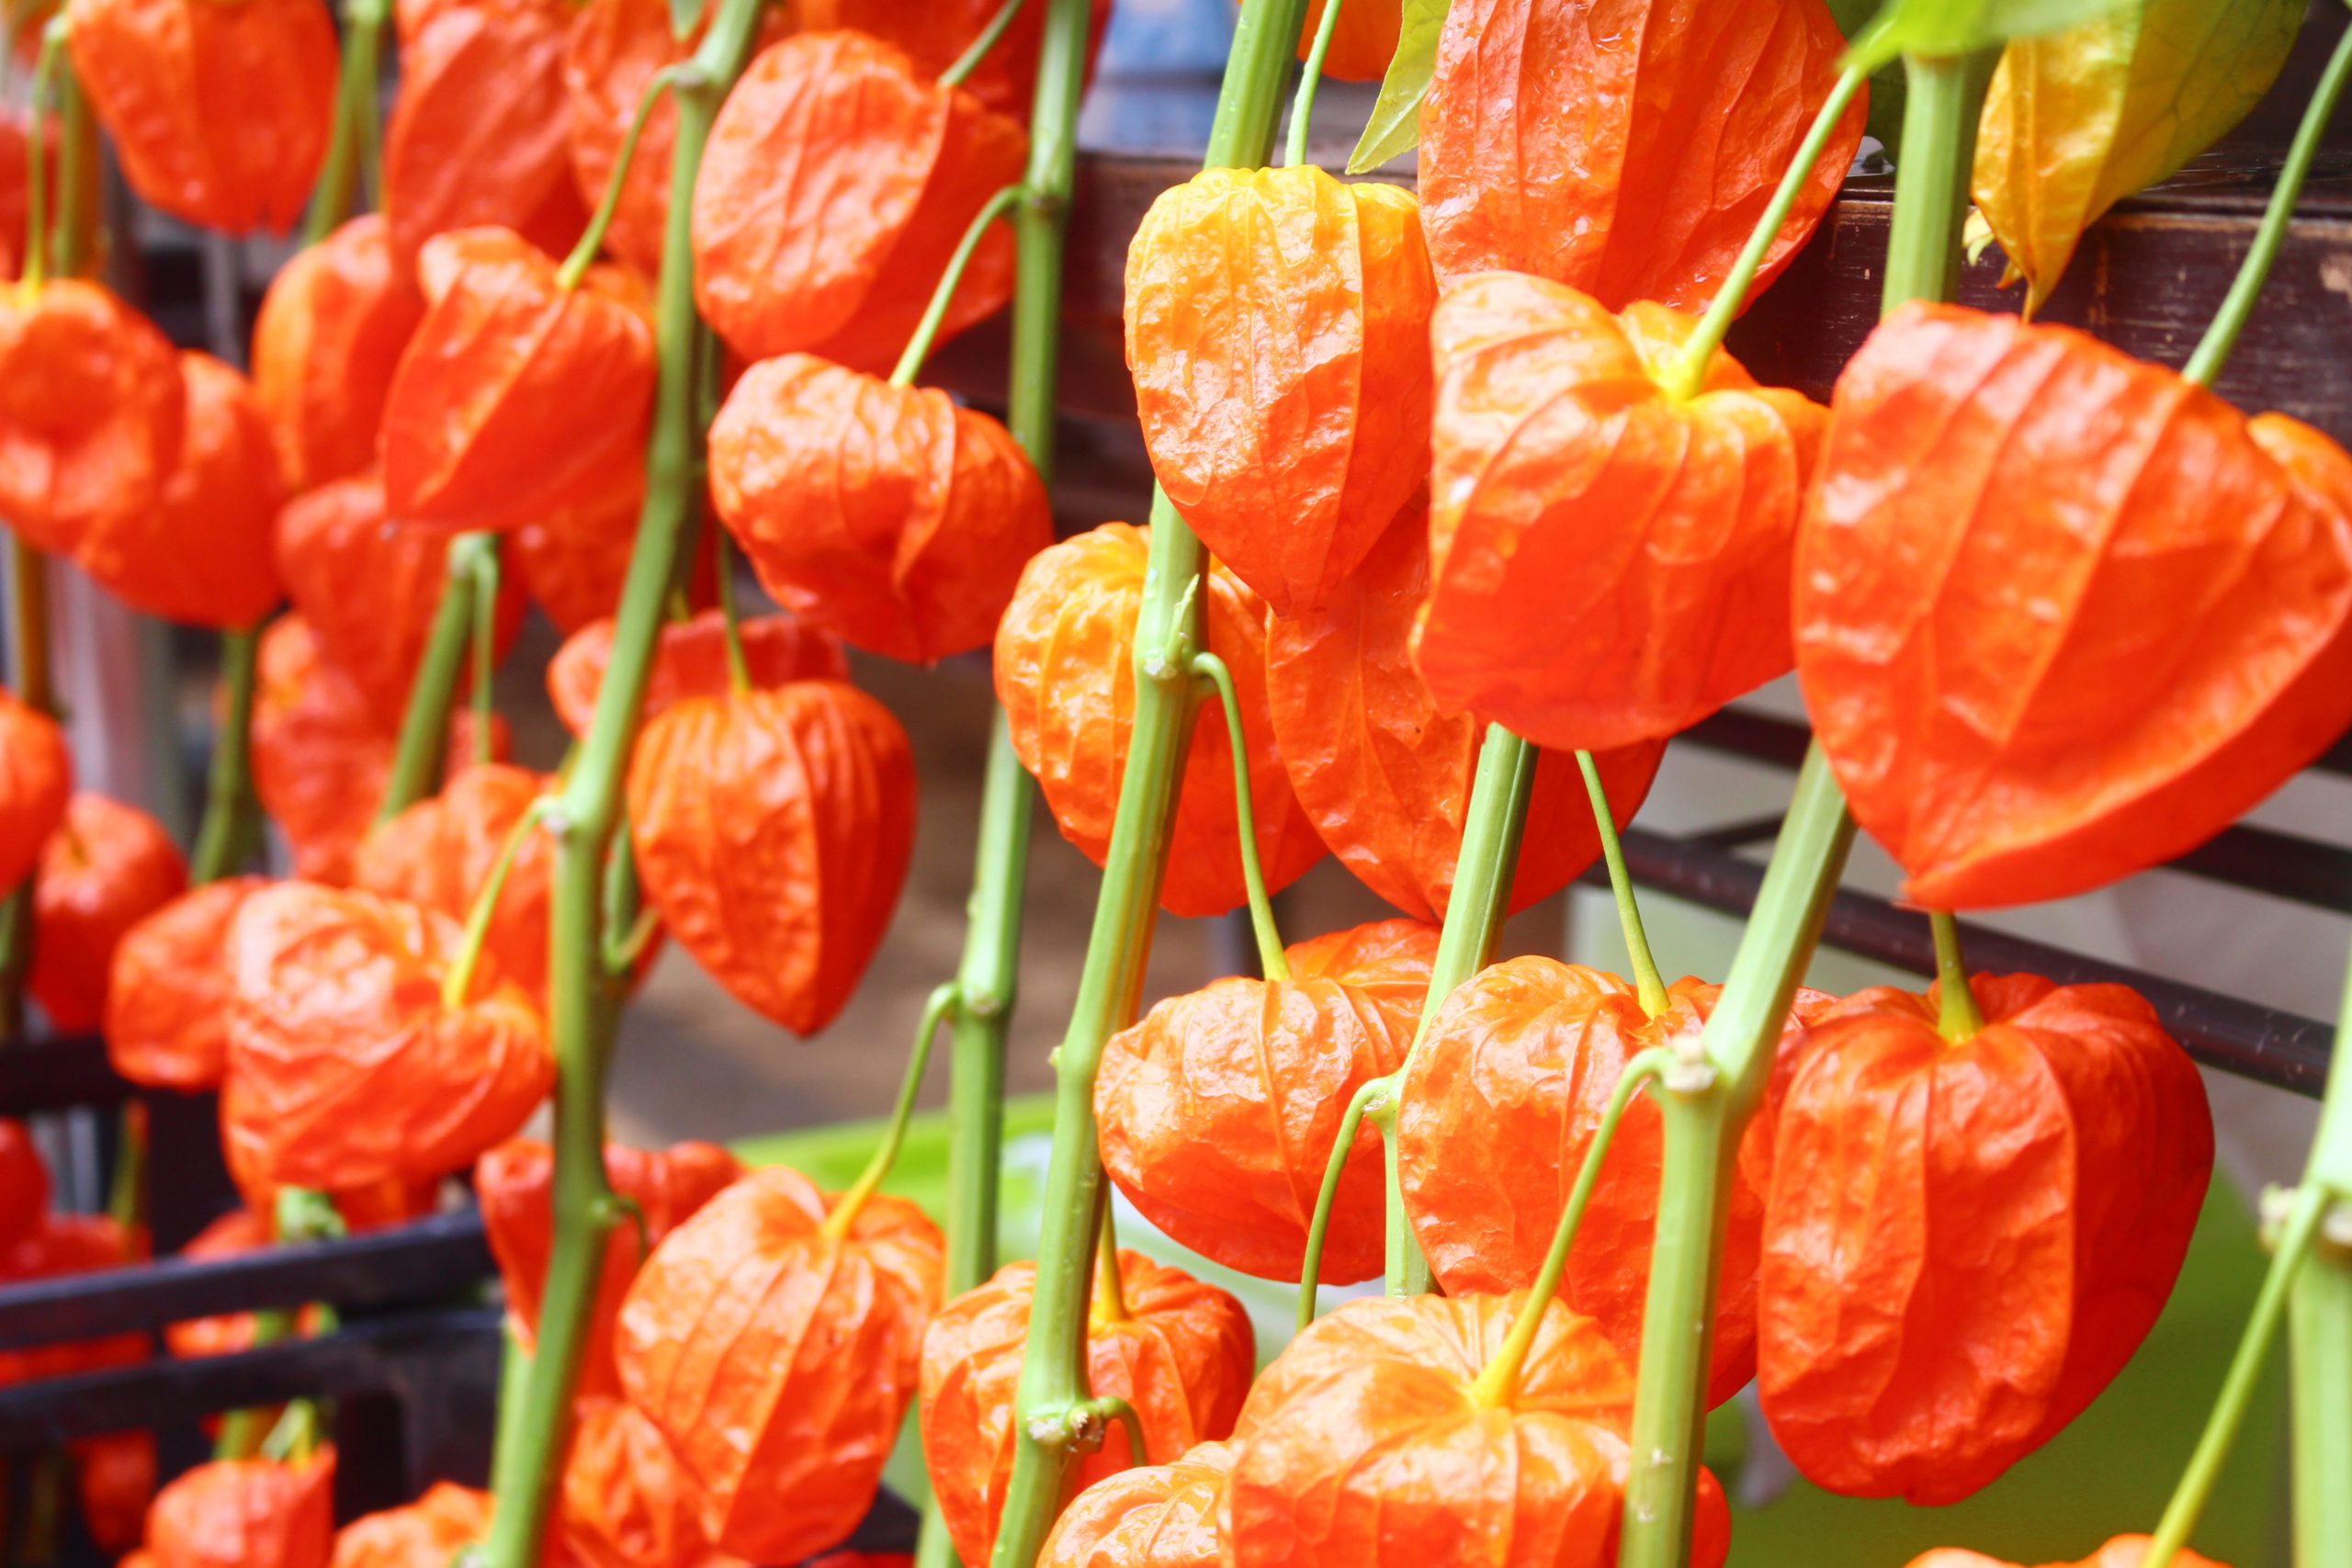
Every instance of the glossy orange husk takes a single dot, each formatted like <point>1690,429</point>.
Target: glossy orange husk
<point>573,561</point>
<point>1361,1445</point>
<point>203,554</point>
<point>514,395</point>
<point>328,334</point>
<point>439,854</point>
<point>1685,116</point>
<point>35,779</point>
<point>114,1477</point>
<point>426,1533</point>
<point>71,1244</point>
<point>1382,774</point>
<point>1179,1351</point>
<point>780,1359</point>
<point>2009,746</point>
<point>1608,563</point>
<point>1277,327</point>
<point>1154,1515</point>
<point>368,587</point>
<point>246,1513</point>
<point>1065,672</point>
<point>625,1502</point>
<point>1363,40</point>
<point>2035,1191</point>
<point>514,1183</point>
<point>690,661</point>
<point>478,134</point>
<point>173,82</point>
<point>167,1019</point>
<point>1501,1104</point>
<point>91,412</point>
<point>105,868</point>
<point>837,184</point>
<point>773,830</point>
<point>887,515</point>
<point>24,1183</point>
<point>16,184</point>
<point>1217,1113</point>
<point>2121,1551</point>
<point>344,1066</point>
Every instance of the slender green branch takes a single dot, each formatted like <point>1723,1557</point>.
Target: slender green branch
<point>37,198</point>
<point>2320,1339</point>
<point>935,1011</point>
<point>1960,1017</point>
<point>918,348</point>
<point>1302,105</point>
<point>225,840</point>
<point>483,567</point>
<point>2222,336</point>
<point>1621,883</point>
<point>1310,1268</point>
<point>1211,670</point>
<point>29,668</point>
<point>425,726</point>
<point>352,146</point>
<point>738,669</point>
<point>977,49</point>
<point>458,980</point>
<point>1110,1303</point>
<point>1689,369</point>
<point>74,238</point>
<point>591,239</point>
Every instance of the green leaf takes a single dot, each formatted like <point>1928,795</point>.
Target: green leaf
<point>685,15</point>
<point>1947,28</point>
<point>1395,123</point>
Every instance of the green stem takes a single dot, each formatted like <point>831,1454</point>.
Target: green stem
<point>458,980</point>
<point>918,348</point>
<point>225,840</point>
<point>935,1011</point>
<point>352,146</point>
<point>1958,1018</point>
<point>2319,1319</point>
<point>591,239</point>
<point>1053,1388</point>
<point>738,669</point>
<point>1310,1268</point>
<point>1498,1384</point>
<point>484,569</point>
<point>2222,336</point>
<point>1272,962</point>
<point>1110,1303</point>
<point>581,994</point>
<point>37,196</point>
<point>1621,883</point>
<point>1688,372</point>
<point>1302,105</point>
<point>977,49</point>
<point>424,727</point>
<point>74,238</point>
<point>29,668</point>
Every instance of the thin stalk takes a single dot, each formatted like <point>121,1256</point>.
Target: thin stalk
<point>74,238</point>
<point>225,840</point>
<point>2319,1327</point>
<point>1958,1018</point>
<point>878,1168</point>
<point>1051,1401</point>
<point>1621,884</point>
<point>484,569</point>
<point>1497,1383</point>
<point>1709,1100</point>
<point>351,149</point>
<point>29,668</point>
<point>424,727</point>
<point>458,980</point>
<point>918,348</point>
<point>36,194</point>
<point>738,669</point>
<point>581,994</point>
<point>977,49</point>
<point>1310,1268</point>
<point>1110,1304</point>
<point>1211,670</point>
<point>1688,372</point>
<point>2222,336</point>
<point>591,239</point>
<point>1302,105</point>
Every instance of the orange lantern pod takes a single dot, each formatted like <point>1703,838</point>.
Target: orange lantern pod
<point>172,81</point>
<point>1497,1109</point>
<point>1179,1351</point>
<point>328,336</point>
<point>517,394</point>
<point>837,184</point>
<point>70,1244</point>
<point>574,561</point>
<point>885,515</point>
<point>347,1065</point>
<point>479,134</point>
<point>775,1345</point>
<point>1382,774</point>
<point>167,991</point>
<point>936,35</point>
<point>15,187</point>
<point>24,1183</point>
<point>1363,40</point>
<point>1366,1444</point>
<point>625,1502</point>
<point>1609,561</point>
<point>36,779</point>
<point>2121,1552</point>
<point>91,412</point>
<point>246,1513</point>
<point>690,661</point>
<point>203,554</point>
<point>369,588</point>
<point>427,1533</point>
<point>773,830</point>
<point>114,1475</point>
<point>2058,1157</point>
<point>1217,1113</point>
<point>514,1183</point>
<point>105,868</point>
<point>2008,747</point>
<point>1278,329</point>
<point>1065,672</point>
<point>440,852</point>
<point>1155,1515</point>
<point>1689,114</point>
